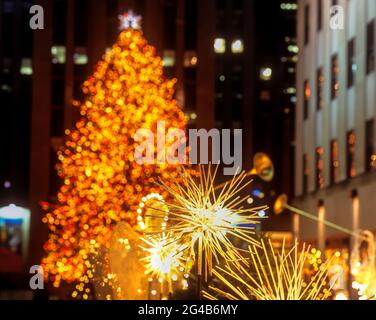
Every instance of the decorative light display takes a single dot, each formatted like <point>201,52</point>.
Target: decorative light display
<point>363,266</point>
<point>275,276</point>
<point>207,221</point>
<point>149,218</point>
<point>129,20</point>
<point>102,184</point>
<point>116,272</point>
<point>338,272</point>
<point>165,260</point>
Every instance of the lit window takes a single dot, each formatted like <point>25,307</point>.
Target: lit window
<point>6,88</point>
<point>193,116</point>
<point>307,96</point>
<point>293,48</point>
<point>190,59</point>
<point>290,90</point>
<point>168,58</point>
<point>237,46</point>
<point>265,95</point>
<point>351,141</point>
<point>7,184</point>
<point>58,54</point>
<point>80,56</point>
<point>220,45</point>
<point>334,161</point>
<point>335,77</point>
<point>319,168</point>
<point>289,6</point>
<point>26,67</point>
<point>266,74</point>
<point>320,89</point>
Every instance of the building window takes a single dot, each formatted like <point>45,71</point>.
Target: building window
<point>370,149</point>
<point>350,151</point>
<point>319,15</point>
<point>289,6</point>
<point>370,46</point>
<point>351,63</point>
<point>190,59</point>
<point>26,67</point>
<point>334,161</point>
<point>305,173</point>
<point>320,89</point>
<point>266,73</point>
<point>220,45</point>
<point>237,46</point>
<point>265,95</point>
<point>307,95</point>
<point>168,58</point>
<point>58,54</point>
<point>319,168</point>
<point>335,77</point>
<point>306,24</point>
<point>80,56</point>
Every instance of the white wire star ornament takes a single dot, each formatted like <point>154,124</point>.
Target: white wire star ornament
<point>129,20</point>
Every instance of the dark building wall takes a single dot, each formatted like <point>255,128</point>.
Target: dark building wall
<point>15,101</point>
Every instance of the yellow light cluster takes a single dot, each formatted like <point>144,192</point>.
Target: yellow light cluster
<point>102,184</point>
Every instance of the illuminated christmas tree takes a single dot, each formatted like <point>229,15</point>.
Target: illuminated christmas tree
<point>102,183</point>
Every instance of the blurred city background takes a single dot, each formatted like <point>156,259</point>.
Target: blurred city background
<point>302,90</point>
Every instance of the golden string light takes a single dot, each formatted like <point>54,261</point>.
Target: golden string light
<point>102,184</point>
<point>275,276</point>
<point>207,220</point>
<point>148,217</point>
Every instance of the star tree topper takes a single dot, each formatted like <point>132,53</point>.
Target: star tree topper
<point>130,20</point>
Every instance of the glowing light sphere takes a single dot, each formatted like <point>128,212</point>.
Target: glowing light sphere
<point>202,218</point>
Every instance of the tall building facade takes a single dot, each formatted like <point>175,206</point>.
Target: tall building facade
<point>275,97</point>
<point>335,175</point>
